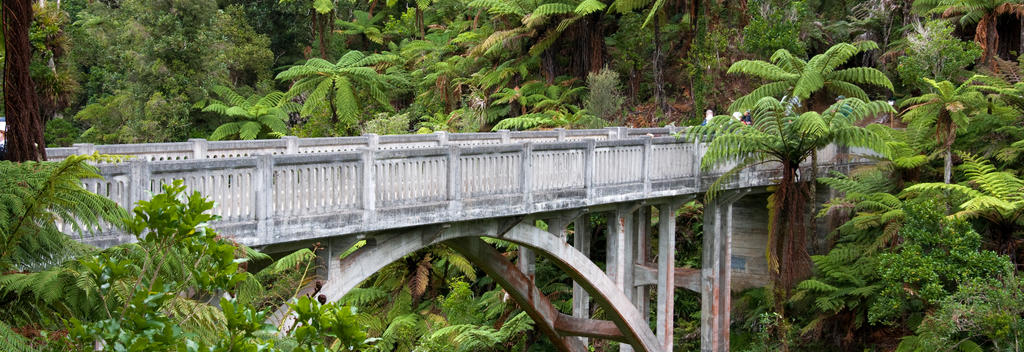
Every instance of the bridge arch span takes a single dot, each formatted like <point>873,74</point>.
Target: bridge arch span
<point>464,238</point>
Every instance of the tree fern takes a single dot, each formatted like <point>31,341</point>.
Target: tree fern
<point>794,77</point>
<point>34,197</point>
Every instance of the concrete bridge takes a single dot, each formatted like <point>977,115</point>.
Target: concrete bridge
<point>406,192</point>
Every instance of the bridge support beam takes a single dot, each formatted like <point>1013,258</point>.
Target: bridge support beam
<point>716,272</point>
<point>521,287</point>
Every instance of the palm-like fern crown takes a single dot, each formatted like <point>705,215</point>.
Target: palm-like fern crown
<point>943,110</point>
<point>997,196</point>
<point>778,134</point>
<point>969,11</point>
<point>536,18</point>
<point>253,115</point>
<point>36,196</point>
<point>328,82</point>
<point>792,76</point>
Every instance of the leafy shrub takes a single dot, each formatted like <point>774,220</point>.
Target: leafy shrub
<point>772,27</point>
<point>938,254</point>
<point>383,123</point>
<point>988,312</point>
<point>933,52</point>
<point>60,133</point>
<point>604,100</point>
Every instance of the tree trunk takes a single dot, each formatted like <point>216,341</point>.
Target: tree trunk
<point>947,170</point>
<point>24,125</point>
<point>659,84</point>
<point>547,65</point>
<point>789,235</point>
<point>419,23</point>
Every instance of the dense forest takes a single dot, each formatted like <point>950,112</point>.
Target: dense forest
<point>918,252</point>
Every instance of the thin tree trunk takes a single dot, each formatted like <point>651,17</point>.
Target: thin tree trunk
<point>419,22</point>
<point>659,82</point>
<point>25,127</point>
<point>947,171</point>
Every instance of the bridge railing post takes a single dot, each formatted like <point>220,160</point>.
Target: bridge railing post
<point>589,168</point>
<point>645,168</point>
<point>526,177</point>
<point>264,188</point>
<point>139,175</point>
<point>84,148</point>
<point>368,196</point>
<point>561,134</point>
<point>442,138</point>
<point>199,148</point>
<point>454,177</point>
<point>291,144</point>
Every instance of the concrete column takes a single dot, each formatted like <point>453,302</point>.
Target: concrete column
<point>454,177</point>
<point>581,241</point>
<point>263,185</point>
<point>645,171</point>
<point>619,264</point>
<point>716,268</point>
<point>291,144</point>
<point>199,147</point>
<point>369,186</point>
<point>140,187</point>
<point>525,179</point>
<point>527,263</point>
<point>589,168</point>
<point>505,137</point>
<point>641,256</point>
<point>84,148</point>
<point>442,138</point>
<point>666,274</point>
<point>561,134</point>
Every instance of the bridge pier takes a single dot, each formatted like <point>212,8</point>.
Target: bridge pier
<point>580,297</point>
<point>716,272</point>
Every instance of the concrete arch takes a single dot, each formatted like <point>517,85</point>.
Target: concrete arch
<point>382,250</point>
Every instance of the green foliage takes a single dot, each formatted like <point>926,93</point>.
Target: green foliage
<point>256,116</point>
<point>383,123</point>
<point>37,196</point>
<point>778,135</point>
<point>980,313</point>
<point>937,256</point>
<point>792,76</point>
<point>604,99</point>
<point>932,51</point>
<point>60,133</point>
<point>774,26</point>
<point>333,88</point>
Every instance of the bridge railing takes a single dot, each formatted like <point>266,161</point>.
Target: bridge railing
<point>203,149</point>
<point>314,191</point>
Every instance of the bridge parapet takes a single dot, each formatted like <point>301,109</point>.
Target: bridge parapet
<point>203,149</point>
<point>310,191</point>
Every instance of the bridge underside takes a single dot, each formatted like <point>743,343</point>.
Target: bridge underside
<point>624,288</point>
